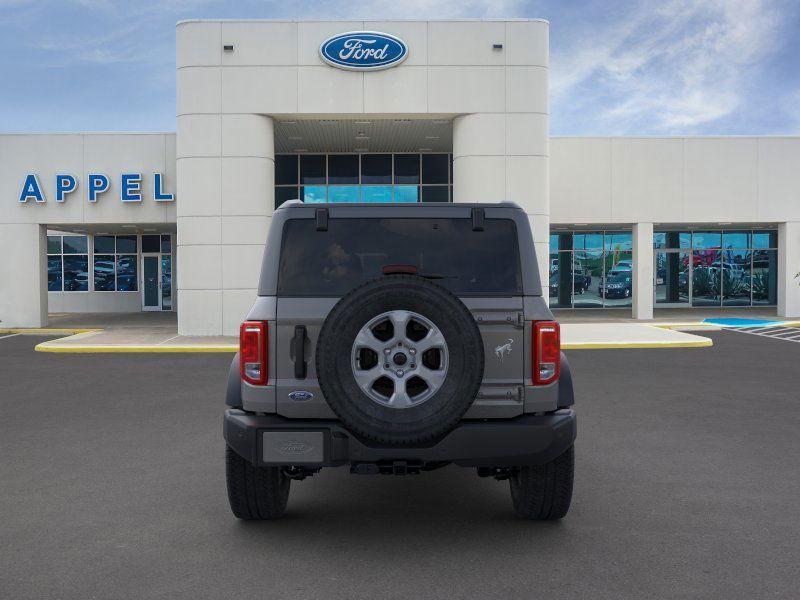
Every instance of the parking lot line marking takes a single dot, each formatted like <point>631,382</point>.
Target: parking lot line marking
<point>790,333</point>
<point>2,337</point>
<point>784,334</point>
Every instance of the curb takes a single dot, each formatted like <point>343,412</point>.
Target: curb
<point>46,331</point>
<point>154,349</point>
<point>704,343</point>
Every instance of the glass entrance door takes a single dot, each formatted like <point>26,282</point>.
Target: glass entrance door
<point>151,276</point>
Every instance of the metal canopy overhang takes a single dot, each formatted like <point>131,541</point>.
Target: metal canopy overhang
<point>300,135</point>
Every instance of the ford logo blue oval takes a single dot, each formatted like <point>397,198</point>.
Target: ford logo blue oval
<point>363,50</point>
<point>301,395</point>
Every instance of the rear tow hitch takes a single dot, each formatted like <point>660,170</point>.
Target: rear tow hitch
<point>397,467</point>
<point>299,473</point>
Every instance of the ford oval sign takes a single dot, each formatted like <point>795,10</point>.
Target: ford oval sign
<point>363,50</point>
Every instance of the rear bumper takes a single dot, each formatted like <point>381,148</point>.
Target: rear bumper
<point>274,440</point>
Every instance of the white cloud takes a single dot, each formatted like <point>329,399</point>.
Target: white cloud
<point>669,69</point>
<point>408,9</point>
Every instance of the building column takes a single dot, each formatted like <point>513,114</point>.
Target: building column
<point>505,157</point>
<point>642,271</point>
<point>789,269</point>
<point>226,175</point>
<point>23,271</point>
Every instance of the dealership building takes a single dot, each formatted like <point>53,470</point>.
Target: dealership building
<point>389,111</point>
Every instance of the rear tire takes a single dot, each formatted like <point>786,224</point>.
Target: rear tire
<point>544,492</point>
<point>255,493</point>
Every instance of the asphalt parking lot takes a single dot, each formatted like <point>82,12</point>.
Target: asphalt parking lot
<point>687,486</point>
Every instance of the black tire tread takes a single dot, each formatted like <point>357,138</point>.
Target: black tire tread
<point>255,493</point>
<point>544,492</point>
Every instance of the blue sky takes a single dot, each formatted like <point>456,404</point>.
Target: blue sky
<point>617,68</point>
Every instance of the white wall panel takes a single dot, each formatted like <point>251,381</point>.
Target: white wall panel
<point>328,90</point>
<point>788,267</point>
<point>241,266</point>
<point>94,302</point>
<point>720,179</point>
<point>479,179</point>
<point>170,177</point>
<point>580,180</point>
<point>46,156</point>
<point>526,134</point>
<point>526,89</point>
<point>200,312</point>
<point>200,267</point>
<point>527,183</point>
<point>312,33</point>
<point>199,230</point>
<point>413,33</point>
<point>647,179</point>
<point>247,186</point>
<point>779,179</point>
<point>675,180</point>
<point>112,155</point>
<point>259,90</point>
<point>245,230</point>
<point>247,135</point>
<point>259,43</point>
<point>403,89</point>
<point>466,42</point>
<point>23,273</point>
<point>485,135</point>
<point>198,44</point>
<point>235,306</point>
<point>199,90</point>
<point>466,89</point>
<point>199,135</point>
<point>200,181</point>
<point>527,43</point>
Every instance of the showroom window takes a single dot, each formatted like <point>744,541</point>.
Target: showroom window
<point>716,267</point>
<point>591,269</point>
<point>67,263</point>
<point>376,177</point>
<point>115,263</point>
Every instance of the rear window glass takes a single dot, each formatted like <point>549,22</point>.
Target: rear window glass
<point>353,251</point>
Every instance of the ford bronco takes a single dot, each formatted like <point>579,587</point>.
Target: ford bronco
<point>397,339</point>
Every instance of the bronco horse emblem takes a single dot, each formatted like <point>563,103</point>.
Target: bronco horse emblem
<point>503,350</point>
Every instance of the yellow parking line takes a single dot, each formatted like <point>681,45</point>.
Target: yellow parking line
<point>704,343</point>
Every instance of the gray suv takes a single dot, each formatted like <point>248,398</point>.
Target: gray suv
<point>397,339</point>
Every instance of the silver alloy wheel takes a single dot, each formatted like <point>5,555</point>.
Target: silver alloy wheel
<point>407,367</point>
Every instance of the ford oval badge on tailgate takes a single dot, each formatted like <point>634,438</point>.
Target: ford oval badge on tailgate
<point>301,395</point>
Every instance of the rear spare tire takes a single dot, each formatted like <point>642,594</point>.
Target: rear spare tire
<point>400,360</point>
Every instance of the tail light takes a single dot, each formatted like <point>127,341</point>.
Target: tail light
<point>253,352</point>
<point>546,352</point>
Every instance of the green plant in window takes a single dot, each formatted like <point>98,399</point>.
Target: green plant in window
<point>761,285</point>
<point>704,282</point>
<point>734,285</point>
